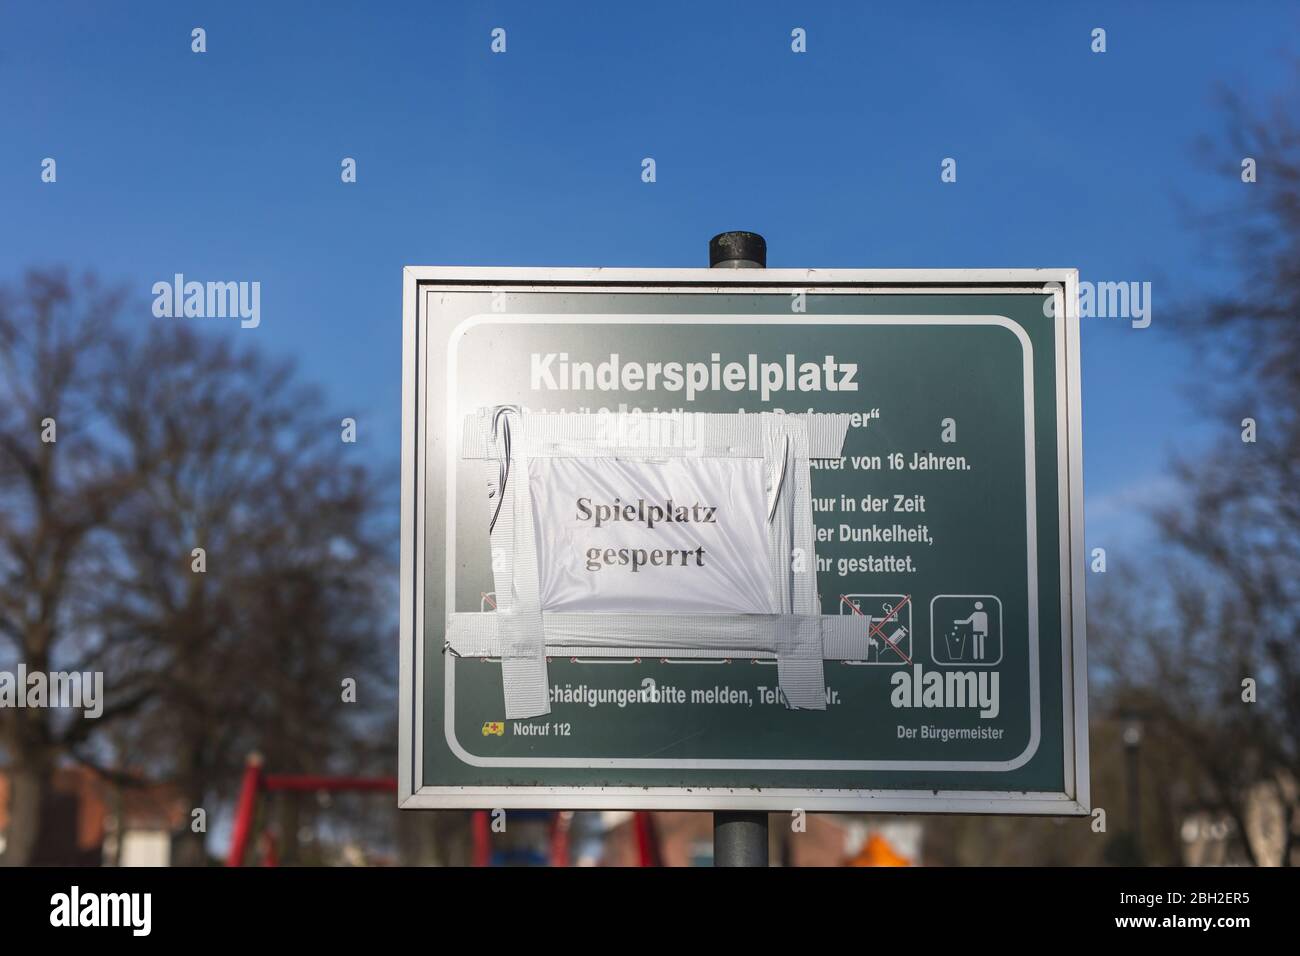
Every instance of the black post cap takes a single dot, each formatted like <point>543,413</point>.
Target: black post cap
<point>731,246</point>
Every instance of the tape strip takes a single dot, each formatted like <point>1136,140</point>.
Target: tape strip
<point>799,664</point>
<point>649,435</point>
<point>792,563</point>
<point>806,679</point>
<point>520,639</point>
<point>842,637</point>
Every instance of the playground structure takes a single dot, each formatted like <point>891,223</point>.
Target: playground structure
<point>256,782</point>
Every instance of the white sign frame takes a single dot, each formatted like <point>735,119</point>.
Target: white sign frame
<point>419,283</point>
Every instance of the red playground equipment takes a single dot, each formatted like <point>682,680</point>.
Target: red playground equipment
<point>256,782</point>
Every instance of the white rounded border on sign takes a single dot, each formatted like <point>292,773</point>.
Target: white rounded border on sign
<point>973,766</point>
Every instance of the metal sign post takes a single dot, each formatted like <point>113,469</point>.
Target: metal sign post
<point>739,839</point>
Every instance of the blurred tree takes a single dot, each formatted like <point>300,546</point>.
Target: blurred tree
<point>1230,608</point>
<point>172,441</point>
<point>234,457</point>
<point>61,483</point>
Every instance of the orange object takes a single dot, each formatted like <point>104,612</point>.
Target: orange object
<point>876,851</point>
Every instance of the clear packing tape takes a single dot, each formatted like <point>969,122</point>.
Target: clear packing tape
<point>523,633</point>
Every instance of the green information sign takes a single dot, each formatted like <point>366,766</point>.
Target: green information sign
<point>947,524</point>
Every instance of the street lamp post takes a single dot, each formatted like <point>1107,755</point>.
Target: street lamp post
<point>1132,737</point>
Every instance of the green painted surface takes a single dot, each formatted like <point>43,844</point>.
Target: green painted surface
<point>975,517</point>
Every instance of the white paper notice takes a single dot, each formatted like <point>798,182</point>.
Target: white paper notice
<point>657,536</point>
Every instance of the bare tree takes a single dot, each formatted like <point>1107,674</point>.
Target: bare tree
<point>181,515</point>
<point>61,483</point>
<point>1222,631</point>
<point>238,460</point>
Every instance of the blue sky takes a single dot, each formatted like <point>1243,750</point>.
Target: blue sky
<point>225,165</point>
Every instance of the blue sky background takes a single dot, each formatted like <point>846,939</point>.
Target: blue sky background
<point>225,165</point>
